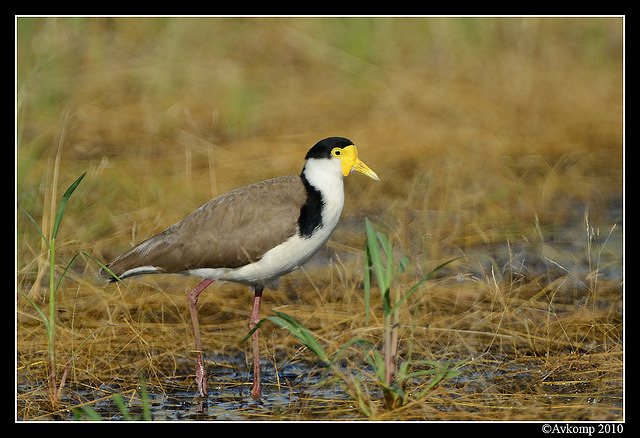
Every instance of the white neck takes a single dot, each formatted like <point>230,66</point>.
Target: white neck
<point>325,175</point>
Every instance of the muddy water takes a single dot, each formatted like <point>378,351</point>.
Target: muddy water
<point>296,393</point>
<point>295,387</point>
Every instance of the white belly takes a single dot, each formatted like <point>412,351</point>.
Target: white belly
<point>284,258</point>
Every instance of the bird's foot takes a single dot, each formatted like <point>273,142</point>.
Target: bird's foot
<point>201,379</point>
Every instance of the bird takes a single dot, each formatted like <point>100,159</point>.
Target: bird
<point>252,235</point>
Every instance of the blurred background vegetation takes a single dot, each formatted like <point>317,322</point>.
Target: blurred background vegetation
<point>523,115</point>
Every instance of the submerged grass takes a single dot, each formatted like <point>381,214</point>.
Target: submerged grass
<point>498,141</point>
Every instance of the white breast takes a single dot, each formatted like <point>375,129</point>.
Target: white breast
<point>326,176</point>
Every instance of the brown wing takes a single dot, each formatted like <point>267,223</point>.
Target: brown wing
<point>229,231</point>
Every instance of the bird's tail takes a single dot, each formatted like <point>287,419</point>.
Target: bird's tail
<point>132,262</point>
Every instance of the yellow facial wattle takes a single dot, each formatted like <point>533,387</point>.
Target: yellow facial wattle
<point>349,157</point>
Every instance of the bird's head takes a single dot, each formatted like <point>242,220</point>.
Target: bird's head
<point>342,149</point>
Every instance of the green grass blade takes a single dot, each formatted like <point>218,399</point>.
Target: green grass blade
<point>420,283</point>
<point>374,253</point>
<point>384,274</point>
<point>402,265</point>
<point>63,204</point>
<point>122,407</point>
<point>376,361</point>
<point>298,329</point>
<point>35,306</point>
<point>146,401</point>
<point>102,265</point>
<point>301,332</point>
<point>255,327</point>
<point>368,267</point>
<point>436,269</point>
<point>37,227</point>
<point>362,404</point>
<point>348,344</point>
<point>73,259</point>
<point>388,251</point>
<point>87,411</point>
<point>64,273</point>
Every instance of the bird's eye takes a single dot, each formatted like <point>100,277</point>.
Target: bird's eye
<point>336,152</point>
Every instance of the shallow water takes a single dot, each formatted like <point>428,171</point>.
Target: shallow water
<point>296,386</point>
<point>298,392</point>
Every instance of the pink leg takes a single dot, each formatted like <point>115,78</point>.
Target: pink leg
<point>201,372</point>
<point>254,319</point>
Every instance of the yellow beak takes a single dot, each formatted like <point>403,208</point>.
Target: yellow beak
<point>351,162</point>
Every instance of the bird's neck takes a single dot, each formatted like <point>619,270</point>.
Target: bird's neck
<point>326,177</point>
<point>324,180</point>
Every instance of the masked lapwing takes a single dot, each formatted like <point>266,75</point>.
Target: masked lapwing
<point>252,235</point>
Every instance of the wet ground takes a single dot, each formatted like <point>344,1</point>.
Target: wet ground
<point>529,388</point>
<point>582,383</point>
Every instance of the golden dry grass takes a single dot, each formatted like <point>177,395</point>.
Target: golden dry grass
<point>499,140</point>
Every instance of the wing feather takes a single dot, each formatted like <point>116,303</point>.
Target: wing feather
<point>229,231</point>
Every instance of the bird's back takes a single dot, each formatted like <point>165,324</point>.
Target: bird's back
<point>229,231</point>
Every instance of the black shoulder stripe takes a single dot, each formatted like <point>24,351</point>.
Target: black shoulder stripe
<point>311,212</point>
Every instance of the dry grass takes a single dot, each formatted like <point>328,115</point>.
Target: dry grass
<point>499,140</point>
